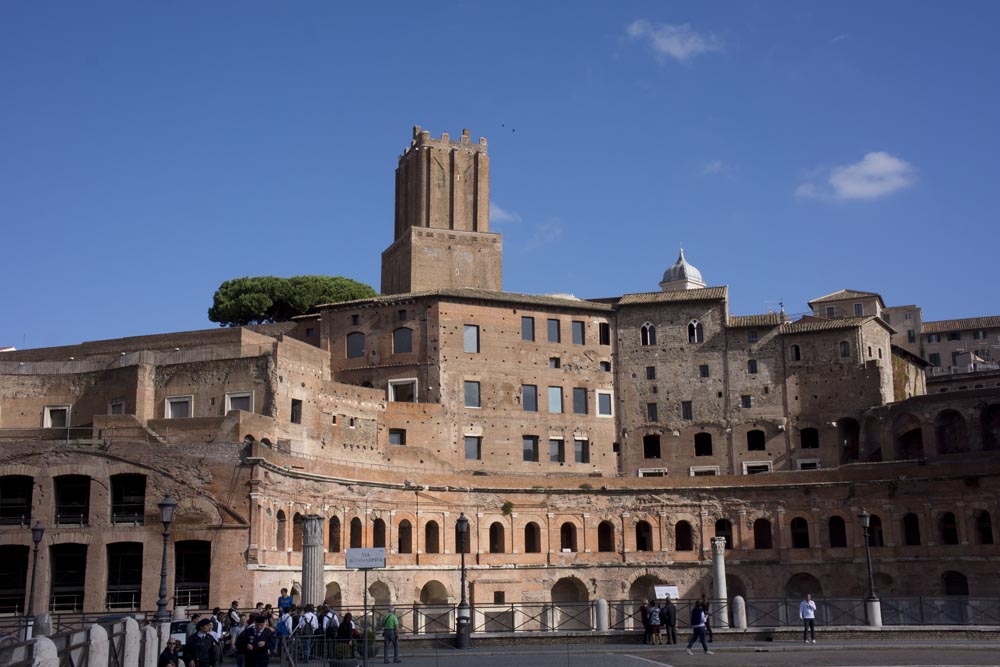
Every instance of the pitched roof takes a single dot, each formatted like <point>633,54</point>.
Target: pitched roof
<point>848,294</point>
<point>812,324</point>
<point>989,322</point>
<point>703,294</point>
<point>761,320</point>
<point>469,294</point>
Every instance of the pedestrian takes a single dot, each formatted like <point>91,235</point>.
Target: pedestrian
<point>256,643</point>
<point>234,634</point>
<point>708,618</point>
<point>284,600</point>
<point>200,650</point>
<point>698,622</point>
<point>390,635</point>
<point>283,629</point>
<point>171,655</point>
<point>344,647</point>
<point>807,612</point>
<point>308,626</point>
<point>644,619</point>
<point>668,619</point>
<point>217,632</point>
<point>654,623</point>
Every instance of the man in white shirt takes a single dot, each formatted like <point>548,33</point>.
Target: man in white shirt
<point>807,612</point>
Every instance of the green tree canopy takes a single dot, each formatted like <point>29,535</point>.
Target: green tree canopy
<point>260,299</point>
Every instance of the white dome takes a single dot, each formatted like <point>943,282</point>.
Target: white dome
<point>682,272</point>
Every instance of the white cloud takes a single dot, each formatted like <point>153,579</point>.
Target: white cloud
<point>501,215</point>
<point>676,41</point>
<point>840,38</point>
<point>877,175</point>
<point>714,167</point>
<point>546,233</point>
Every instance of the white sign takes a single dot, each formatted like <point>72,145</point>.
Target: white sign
<point>662,592</point>
<point>366,559</point>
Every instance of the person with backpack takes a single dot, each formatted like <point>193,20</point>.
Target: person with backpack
<point>390,635</point>
<point>307,627</point>
<point>283,628</point>
<point>698,620</point>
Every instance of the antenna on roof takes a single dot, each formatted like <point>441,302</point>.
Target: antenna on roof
<point>769,304</point>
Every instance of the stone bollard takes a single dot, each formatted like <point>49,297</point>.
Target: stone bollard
<point>43,626</point>
<point>133,638</point>
<point>874,612</point>
<point>180,614</point>
<point>97,647</point>
<point>45,653</point>
<point>601,609</point>
<point>151,652</point>
<point>163,630</point>
<point>739,612</point>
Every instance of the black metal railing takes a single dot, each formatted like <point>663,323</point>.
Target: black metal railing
<point>132,513</point>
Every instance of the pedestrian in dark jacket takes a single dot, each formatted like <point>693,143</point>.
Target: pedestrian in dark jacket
<point>668,619</point>
<point>171,656</point>
<point>256,643</point>
<point>200,650</point>
<point>644,619</point>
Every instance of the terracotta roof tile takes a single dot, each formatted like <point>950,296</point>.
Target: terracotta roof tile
<point>560,301</point>
<point>989,322</point>
<point>761,320</point>
<point>809,325</point>
<point>704,294</point>
<point>847,294</point>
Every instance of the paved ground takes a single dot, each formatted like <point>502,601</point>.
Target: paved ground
<point>730,654</point>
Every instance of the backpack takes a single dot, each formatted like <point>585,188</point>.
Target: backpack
<point>282,628</point>
<point>332,625</point>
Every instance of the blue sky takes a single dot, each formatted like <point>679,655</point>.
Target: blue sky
<point>151,150</point>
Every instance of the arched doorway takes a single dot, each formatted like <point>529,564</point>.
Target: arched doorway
<point>334,597</point>
<point>989,422</point>
<point>435,611</point>
<point>379,591</point>
<point>908,438</point>
<point>849,438</point>
<point>799,584</point>
<point>950,432</point>
<point>570,602</point>
<point>605,536</point>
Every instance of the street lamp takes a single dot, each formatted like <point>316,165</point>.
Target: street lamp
<point>167,508</point>
<point>866,520</point>
<point>463,638</point>
<point>29,622</point>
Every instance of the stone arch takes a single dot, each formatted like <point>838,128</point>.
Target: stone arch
<point>432,537</point>
<point>683,536</point>
<point>497,542</point>
<point>876,536</point>
<point>951,432</point>
<point>567,536</point>
<point>948,528</point>
<point>569,590</point>
<point>297,532</point>
<point>724,528</point>
<point>378,532</point>
<point>333,597</point>
<point>735,586</point>
<point>696,332</point>
<point>569,596</point>
<point>357,536</point>
<point>433,593</point>
<point>380,593</point>
<point>404,537</point>
<point>642,587</point>
<point>196,512</point>
<point>954,583</point>
<point>762,534</point>
<point>647,334</point>
<point>333,543</point>
<point>849,438</point>
<point>873,440</point>
<point>799,528</point>
<point>837,532</point>
<point>280,524</point>
<point>989,423</point>
<point>983,527</point>
<point>801,583</point>
<point>907,437</point>
<point>605,536</point>
<point>532,538</point>
<point>643,536</point>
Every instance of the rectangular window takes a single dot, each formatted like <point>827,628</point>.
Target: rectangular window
<point>703,371</point>
<point>555,400</point>
<point>403,391</point>
<point>402,315</point>
<point>887,318</point>
<point>555,362</point>
<point>934,358</point>
<point>979,335</point>
<point>752,366</point>
<point>859,310</point>
<point>581,451</point>
<point>57,416</point>
<point>554,334</point>
<point>557,453</point>
<point>954,358</point>
<point>397,436</point>
<point>579,400</point>
<point>309,332</point>
<point>529,448</point>
<point>911,336</point>
<point>831,312</point>
<point>650,446</point>
<point>808,464</point>
<point>604,366</point>
<point>933,338</point>
<point>687,410</point>
<point>296,411</point>
<point>604,333</point>
<point>752,336</point>
<point>579,330</point>
<point>355,320</point>
<point>529,398</point>
<point>651,412</point>
<point>604,408</point>
<point>471,394</point>
<point>746,400</point>
<point>179,407</point>
<point>239,400</point>
<point>755,467</point>
<point>907,315</point>
<point>527,328</point>
<point>473,448</point>
<point>470,341</point>
<point>116,407</point>
<point>704,471</point>
<point>954,335</point>
<point>650,372</point>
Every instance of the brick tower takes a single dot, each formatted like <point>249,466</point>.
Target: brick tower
<point>442,232</point>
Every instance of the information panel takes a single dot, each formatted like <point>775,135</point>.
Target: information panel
<point>366,559</point>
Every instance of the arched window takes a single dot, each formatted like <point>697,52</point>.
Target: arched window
<point>696,332</point>
<point>606,536</point>
<point>279,534</point>
<point>683,540</point>
<point>432,538</point>
<point>402,340</point>
<point>496,538</point>
<point>984,528</point>
<point>800,533</point>
<point>756,441</point>
<point>128,499</point>
<point>762,538</point>
<point>845,349</point>
<point>838,532</point>
<point>356,533</point>
<point>724,528</point>
<point>355,345</point>
<point>911,530</point>
<point>567,537</point>
<point>647,334</point>
<point>643,536</point>
<point>297,532</point>
<point>796,353</point>
<point>404,537</point>
<point>334,535</point>
<point>532,538</point>
<point>702,444</point>
<point>876,537</point>
<point>378,533</point>
<point>948,528</point>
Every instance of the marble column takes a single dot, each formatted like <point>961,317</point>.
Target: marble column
<point>720,611</point>
<point>312,560</point>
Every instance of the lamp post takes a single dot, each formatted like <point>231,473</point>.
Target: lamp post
<point>29,622</point>
<point>872,605</point>
<point>167,508</point>
<point>463,638</point>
